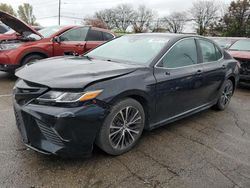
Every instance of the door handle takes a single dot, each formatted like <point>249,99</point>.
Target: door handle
<point>167,73</point>
<point>224,66</point>
<point>199,71</point>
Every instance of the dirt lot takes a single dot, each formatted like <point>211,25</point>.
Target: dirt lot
<point>210,149</point>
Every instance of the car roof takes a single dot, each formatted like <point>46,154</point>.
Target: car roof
<point>171,36</point>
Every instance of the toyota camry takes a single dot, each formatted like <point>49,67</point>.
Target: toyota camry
<point>108,96</point>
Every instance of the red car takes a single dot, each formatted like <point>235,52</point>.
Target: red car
<point>30,45</point>
<point>240,50</point>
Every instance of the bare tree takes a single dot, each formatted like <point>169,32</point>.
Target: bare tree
<point>95,22</point>
<point>175,22</point>
<point>143,17</point>
<point>106,16</point>
<point>124,13</point>
<point>25,12</point>
<point>204,12</point>
<point>116,18</point>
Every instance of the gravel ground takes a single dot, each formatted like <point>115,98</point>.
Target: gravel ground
<point>209,149</point>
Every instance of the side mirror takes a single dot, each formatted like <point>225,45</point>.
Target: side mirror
<point>56,39</point>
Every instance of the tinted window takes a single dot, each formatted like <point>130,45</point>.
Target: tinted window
<point>135,49</point>
<point>94,35</point>
<point>208,51</point>
<point>107,36</point>
<point>78,34</point>
<point>183,53</point>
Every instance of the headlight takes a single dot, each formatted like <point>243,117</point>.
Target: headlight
<point>9,46</point>
<point>68,97</point>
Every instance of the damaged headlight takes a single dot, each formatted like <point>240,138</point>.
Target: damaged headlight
<point>9,46</point>
<point>68,97</point>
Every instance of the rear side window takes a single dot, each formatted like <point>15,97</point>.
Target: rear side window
<point>210,53</point>
<point>182,54</point>
<point>95,35</point>
<point>107,36</point>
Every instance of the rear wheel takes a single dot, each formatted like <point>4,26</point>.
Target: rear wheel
<point>31,58</point>
<point>225,95</point>
<point>122,128</point>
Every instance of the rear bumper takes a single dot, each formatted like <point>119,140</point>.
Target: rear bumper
<point>66,132</point>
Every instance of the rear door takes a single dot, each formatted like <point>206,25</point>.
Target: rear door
<point>94,39</point>
<point>71,42</point>
<point>214,70</point>
<point>179,78</point>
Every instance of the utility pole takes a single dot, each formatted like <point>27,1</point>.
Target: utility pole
<point>59,13</point>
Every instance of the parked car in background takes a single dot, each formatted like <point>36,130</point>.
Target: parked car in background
<point>29,45</point>
<point>224,42</point>
<point>240,50</point>
<point>11,34</point>
<point>112,93</point>
<point>3,28</point>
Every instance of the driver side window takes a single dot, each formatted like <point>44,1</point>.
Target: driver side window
<point>182,54</point>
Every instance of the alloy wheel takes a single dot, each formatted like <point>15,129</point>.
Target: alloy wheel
<point>227,94</point>
<point>125,128</point>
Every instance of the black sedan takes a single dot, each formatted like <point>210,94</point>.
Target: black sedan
<point>107,97</point>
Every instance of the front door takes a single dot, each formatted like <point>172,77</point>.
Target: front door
<point>71,42</point>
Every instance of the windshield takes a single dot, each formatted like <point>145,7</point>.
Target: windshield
<point>131,49</point>
<point>46,32</point>
<point>241,45</point>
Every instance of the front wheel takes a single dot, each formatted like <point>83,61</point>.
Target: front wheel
<point>31,58</point>
<point>122,128</point>
<point>225,95</point>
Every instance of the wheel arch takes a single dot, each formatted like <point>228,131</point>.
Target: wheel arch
<point>43,54</point>
<point>139,96</point>
<point>233,79</point>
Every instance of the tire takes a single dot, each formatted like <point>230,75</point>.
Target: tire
<point>225,95</point>
<point>31,58</point>
<point>122,136</point>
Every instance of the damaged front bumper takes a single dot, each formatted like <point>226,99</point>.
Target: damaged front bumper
<point>63,131</point>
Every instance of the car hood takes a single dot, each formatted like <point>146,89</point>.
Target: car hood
<point>17,25</point>
<point>240,54</point>
<point>72,72</point>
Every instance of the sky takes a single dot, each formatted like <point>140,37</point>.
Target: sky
<point>46,11</point>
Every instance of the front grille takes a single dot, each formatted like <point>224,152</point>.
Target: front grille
<point>245,66</point>
<point>49,134</point>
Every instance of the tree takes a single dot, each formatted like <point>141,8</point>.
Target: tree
<point>124,13</point>
<point>25,13</point>
<point>106,16</point>
<point>95,23</point>
<point>175,22</point>
<point>236,22</point>
<point>7,8</point>
<point>204,13</point>
<point>143,17</point>
<point>116,18</point>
